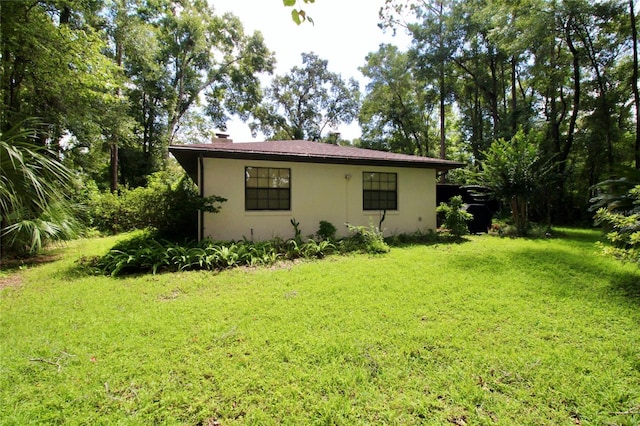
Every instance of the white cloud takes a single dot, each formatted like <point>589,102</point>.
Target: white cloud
<point>344,32</point>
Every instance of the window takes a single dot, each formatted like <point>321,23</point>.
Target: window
<point>379,191</point>
<point>267,188</point>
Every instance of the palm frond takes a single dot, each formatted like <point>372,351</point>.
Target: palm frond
<point>34,209</point>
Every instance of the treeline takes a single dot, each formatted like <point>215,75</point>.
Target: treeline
<point>479,70</point>
<point>104,86</point>
<point>100,89</point>
<point>117,81</point>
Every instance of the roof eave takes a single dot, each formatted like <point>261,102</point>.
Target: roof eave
<point>187,157</point>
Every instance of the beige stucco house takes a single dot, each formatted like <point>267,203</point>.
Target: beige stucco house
<point>267,184</point>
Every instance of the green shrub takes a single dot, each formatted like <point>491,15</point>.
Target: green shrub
<point>297,233</point>
<point>315,249</point>
<point>455,217</point>
<point>35,207</point>
<point>148,252</point>
<point>418,237</point>
<point>515,172</point>
<point>504,228</point>
<point>365,239</point>
<point>168,204</point>
<point>326,231</point>
<point>624,228</point>
<point>145,252</point>
<point>112,213</point>
<point>138,254</point>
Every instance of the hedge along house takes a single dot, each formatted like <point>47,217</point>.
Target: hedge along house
<point>267,184</point>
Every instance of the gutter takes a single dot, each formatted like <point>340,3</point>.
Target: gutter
<point>440,165</point>
<point>201,187</point>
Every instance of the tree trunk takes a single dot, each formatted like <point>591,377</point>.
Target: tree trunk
<point>443,148</point>
<point>113,146</point>
<point>514,94</point>
<point>114,165</point>
<point>564,154</point>
<point>519,214</point>
<point>634,80</point>
<point>492,93</point>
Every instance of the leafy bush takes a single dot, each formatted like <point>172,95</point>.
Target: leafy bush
<point>168,205</point>
<point>297,233</point>
<point>507,229</point>
<point>315,249</point>
<point>455,217</point>
<point>146,252</point>
<point>614,194</point>
<point>326,231</point>
<point>617,207</point>
<point>418,237</point>
<point>515,171</point>
<point>364,239</point>
<point>624,226</point>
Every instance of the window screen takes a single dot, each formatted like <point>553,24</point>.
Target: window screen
<point>379,191</point>
<point>267,188</point>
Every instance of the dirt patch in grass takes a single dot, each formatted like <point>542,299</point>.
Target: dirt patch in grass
<point>12,280</point>
<point>11,266</point>
<point>15,263</point>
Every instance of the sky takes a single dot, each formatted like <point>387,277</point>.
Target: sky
<point>343,33</point>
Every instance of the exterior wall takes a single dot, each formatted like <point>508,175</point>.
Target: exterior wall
<point>318,192</point>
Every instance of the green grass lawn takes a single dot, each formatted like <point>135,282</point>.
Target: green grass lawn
<point>490,331</point>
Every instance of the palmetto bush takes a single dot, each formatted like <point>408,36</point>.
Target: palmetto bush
<point>34,206</point>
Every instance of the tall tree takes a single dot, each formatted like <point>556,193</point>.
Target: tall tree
<point>634,79</point>
<point>53,68</point>
<point>210,55</point>
<point>434,44</point>
<point>514,170</point>
<point>185,64</point>
<point>397,113</point>
<point>560,67</point>
<point>120,33</point>
<point>306,102</point>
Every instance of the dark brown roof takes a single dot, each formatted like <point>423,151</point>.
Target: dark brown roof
<point>302,151</point>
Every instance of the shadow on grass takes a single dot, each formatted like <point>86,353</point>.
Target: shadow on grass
<point>625,283</point>
<point>579,235</point>
<point>11,265</point>
<point>81,268</point>
<point>628,285</point>
<point>567,265</point>
<point>85,267</point>
<point>403,241</point>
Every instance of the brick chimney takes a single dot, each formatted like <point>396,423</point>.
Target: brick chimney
<point>221,138</point>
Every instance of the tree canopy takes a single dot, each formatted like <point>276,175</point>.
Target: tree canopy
<point>565,70</point>
<point>306,102</point>
<point>126,75</point>
<point>398,112</point>
<point>104,86</point>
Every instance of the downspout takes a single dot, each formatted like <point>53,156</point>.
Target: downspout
<point>347,178</point>
<point>201,187</point>
<point>384,215</point>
